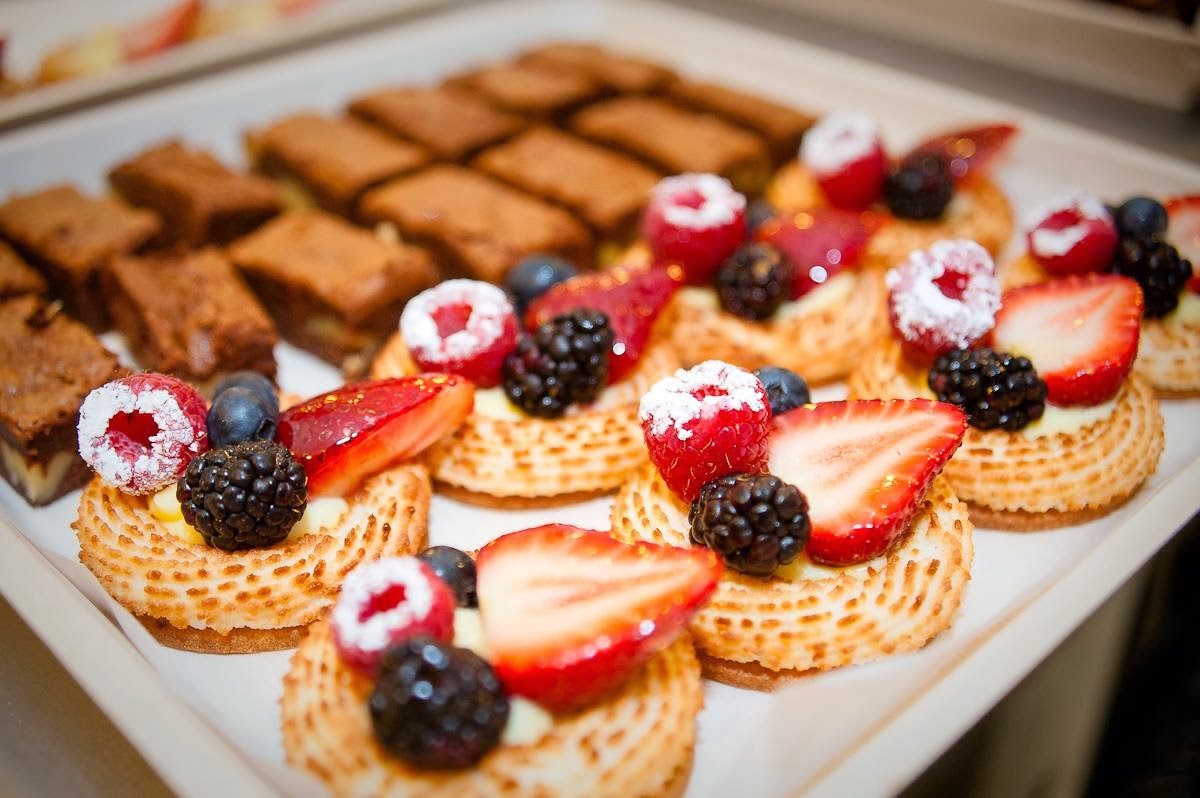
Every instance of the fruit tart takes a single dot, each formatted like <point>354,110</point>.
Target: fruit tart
<point>1157,244</point>
<point>841,542</point>
<point>228,529</point>
<point>1060,431</point>
<point>939,190</point>
<point>555,416</point>
<point>572,676</point>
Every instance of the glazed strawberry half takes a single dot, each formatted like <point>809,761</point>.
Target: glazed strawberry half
<point>344,436</point>
<point>569,614</point>
<point>1183,230</point>
<point>632,298</point>
<point>970,151</point>
<point>865,467</point>
<point>696,221</point>
<point>844,153</point>
<point>819,243</point>
<point>465,327</point>
<point>1073,235</point>
<point>1081,334</point>
<point>163,31</point>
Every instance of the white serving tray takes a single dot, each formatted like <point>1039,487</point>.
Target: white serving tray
<point>866,730</point>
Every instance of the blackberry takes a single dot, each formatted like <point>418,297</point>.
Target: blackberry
<point>456,569</point>
<point>436,706</point>
<point>754,281</point>
<point>243,496</point>
<point>564,362</point>
<point>1158,268</point>
<point>993,388</point>
<point>786,390</point>
<point>756,522</point>
<point>920,187</point>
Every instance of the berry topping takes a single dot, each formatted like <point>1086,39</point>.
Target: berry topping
<point>164,30</point>
<point>631,298</point>
<point>705,422</point>
<point>1183,230</point>
<point>754,281</point>
<point>463,327</point>
<point>456,569</point>
<point>436,706</point>
<point>1081,333</point>
<point>819,243</point>
<point>920,187</point>
<point>139,432</point>
<point>351,433</point>
<point>759,211</point>
<point>602,608</point>
<point>1073,235</point>
<point>562,363</point>
<point>1157,267</point>
<point>943,298</point>
<point>994,389</point>
<point>695,220</point>
<point>786,390</point>
<point>245,496</point>
<point>1141,217</point>
<point>865,467</point>
<point>534,276</point>
<point>844,153</point>
<point>756,522</point>
<point>970,151</point>
<point>385,602</point>
<point>263,388</point>
<point>239,414</point>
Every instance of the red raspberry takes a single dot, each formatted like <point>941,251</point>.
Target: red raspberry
<point>845,155</point>
<point>465,327</point>
<point>706,422</point>
<point>1074,235</point>
<point>695,220</point>
<point>385,602</point>
<point>943,298</point>
<point>140,432</point>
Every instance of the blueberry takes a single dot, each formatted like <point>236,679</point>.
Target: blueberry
<point>758,212</point>
<point>534,276</point>
<point>1141,217</point>
<point>786,390</point>
<point>256,382</point>
<point>239,414</point>
<point>454,568</point>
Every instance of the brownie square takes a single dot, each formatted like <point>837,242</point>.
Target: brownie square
<point>48,364</point>
<point>200,200</point>
<point>603,187</point>
<point>677,140</point>
<point>620,73</point>
<point>70,237</point>
<point>453,124</point>
<point>189,314</point>
<point>780,125</point>
<point>16,276</point>
<point>334,289</point>
<point>528,90</point>
<point>334,160</point>
<point>476,226</point>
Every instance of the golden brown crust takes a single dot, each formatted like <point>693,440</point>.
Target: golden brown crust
<point>637,742</point>
<point>827,617</point>
<point>515,502</point>
<point>236,641</point>
<point>747,675</point>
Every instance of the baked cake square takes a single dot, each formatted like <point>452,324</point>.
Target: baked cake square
<point>781,126</point>
<point>200,200</point>
<point>16,276</point>
<point>620,73</point>
<point>529,90</point>
<point>70,237</point>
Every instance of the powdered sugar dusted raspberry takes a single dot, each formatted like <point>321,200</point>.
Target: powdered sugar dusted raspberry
<point>702,391</point>
<point>838,139</point>
<point>139,433</point>
<point>713,201</point>
<point>1050,241</point>
<point>466,327</point>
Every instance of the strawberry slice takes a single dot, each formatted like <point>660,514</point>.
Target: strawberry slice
<point>819,242</point>
<point>160,32</point>
<point>1183,230</point>
<point>345,436</point>
<point>865,467</point>
<point>631,296</point>
<point>1080,332</point>
<point>602,607</point>
<point>970,151</point>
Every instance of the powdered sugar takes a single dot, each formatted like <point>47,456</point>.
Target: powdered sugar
<point>1048,242</point>
<point>699,392</point>
<point>919,307</point>
<point>837,139</point>
<point>372,579</point>
<point>721,203</point>
<point>489,308</point>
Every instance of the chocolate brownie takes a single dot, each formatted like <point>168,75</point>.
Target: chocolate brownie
<point>677,140</point>
<point>453,124</point>
<point>780,125</point>
<point>48,364</point>
<point>333,288</point>
<point>334,160</point>
<point>16,276</point>
<point>476,226</point>
<point>529,90</point>
<point>200,200</point>
<point>621,73</point>
<point>70,237</point>
<point>189,314</point>
<point>606,189</point>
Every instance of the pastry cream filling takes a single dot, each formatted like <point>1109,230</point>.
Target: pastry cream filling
<point>1187,313</point>
<point>322,513</point>
<point>1068,419</point>
<point>37,480</point>
<point>835,293</point>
